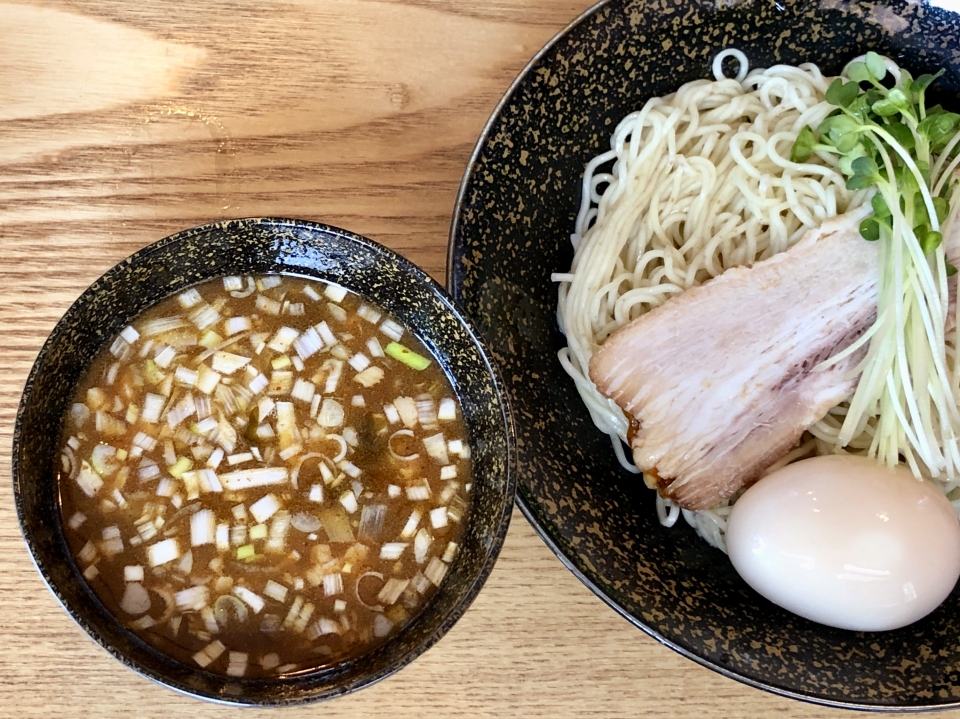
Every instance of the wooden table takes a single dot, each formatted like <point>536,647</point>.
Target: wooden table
<point>122,122</point>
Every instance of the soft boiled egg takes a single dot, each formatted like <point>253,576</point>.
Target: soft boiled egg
<point>846,542</point>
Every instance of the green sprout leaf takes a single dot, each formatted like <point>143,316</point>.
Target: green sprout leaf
<point>865,174</point>
<point>858,72</point>
<point>876,66</point>
<point>860,182</point>
<point>951,270</point>
<point>873,94</point>
<point>846,143</point>
<point>906,181</point>
<point>941,144</point>
<point>930,241</point>
<point>939,128</point>
<point>924,81</point>
<point>834,91</point>
<point>942,208</point>
<point>906,84</point>
<point>836,126</point>
<point>840,125</point>
<point>846,161</point>
<point>870,229</point>
<point>804,146</point>
<point>902,134</point>
<point>880,209</point>
<point>865,166</point>
<point>842,93</point>
<point>860,109</point>
<point>895,102</point>
<point>920,215</point>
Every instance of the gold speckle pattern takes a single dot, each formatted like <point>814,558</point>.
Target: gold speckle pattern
<point>511,230</point>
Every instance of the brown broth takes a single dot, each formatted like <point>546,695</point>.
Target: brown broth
<point>322,561</point>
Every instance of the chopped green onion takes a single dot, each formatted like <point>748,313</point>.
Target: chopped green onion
<point>182,465</point>
<point>407,356</point>
<point>246,551</point>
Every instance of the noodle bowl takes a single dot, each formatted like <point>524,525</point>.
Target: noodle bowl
<point>695,183</point>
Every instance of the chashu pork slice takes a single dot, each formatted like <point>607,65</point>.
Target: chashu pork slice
<point>720,377</point>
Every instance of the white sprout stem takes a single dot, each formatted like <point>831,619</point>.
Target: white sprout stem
<point>948,173</point>
<point>936,173</point>
<point>914,400</point>
<point>908,161</point>
<point>861,341</point>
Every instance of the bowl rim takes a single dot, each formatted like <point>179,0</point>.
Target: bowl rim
<point>452,280</point>
<point>505,499</point>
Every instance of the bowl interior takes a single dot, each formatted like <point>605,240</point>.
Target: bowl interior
<point>257,246</point>
<point>514,218</point>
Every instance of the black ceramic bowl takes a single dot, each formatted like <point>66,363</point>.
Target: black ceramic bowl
<point>256,246</point>
<point>511,230</point>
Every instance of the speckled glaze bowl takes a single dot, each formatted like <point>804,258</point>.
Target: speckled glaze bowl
<point>511,230</point>
<point>256,246</point>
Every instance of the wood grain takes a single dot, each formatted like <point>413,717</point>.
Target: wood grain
<point>121,122</point>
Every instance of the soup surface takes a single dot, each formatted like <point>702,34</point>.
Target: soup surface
<point>264,475</point>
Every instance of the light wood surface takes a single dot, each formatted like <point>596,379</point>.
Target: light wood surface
<point>122,122</point>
